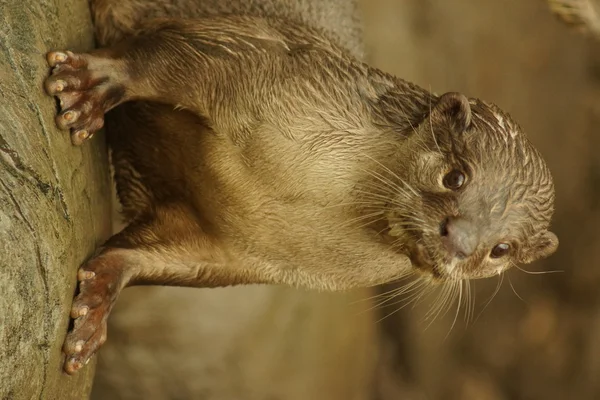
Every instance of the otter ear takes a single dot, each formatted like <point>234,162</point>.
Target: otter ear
<point>540,246</point>
<point>454,110</point>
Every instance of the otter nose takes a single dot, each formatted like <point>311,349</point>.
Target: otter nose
<point>459,236</point>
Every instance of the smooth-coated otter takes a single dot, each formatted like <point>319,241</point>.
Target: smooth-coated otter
<point>251,145</point>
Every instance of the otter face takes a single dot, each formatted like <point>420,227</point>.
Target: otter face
<point>476,198</point>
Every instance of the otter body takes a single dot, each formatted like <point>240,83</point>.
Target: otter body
<point>251,145</point>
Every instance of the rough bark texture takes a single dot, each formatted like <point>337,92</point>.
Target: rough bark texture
<point>518,55</point>
<point>54,202</point>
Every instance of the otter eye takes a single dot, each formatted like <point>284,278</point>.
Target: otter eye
<point>454,179</point>
<point>500,250</point>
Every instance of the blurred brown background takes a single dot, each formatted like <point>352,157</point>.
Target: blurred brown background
<point>279,344</point>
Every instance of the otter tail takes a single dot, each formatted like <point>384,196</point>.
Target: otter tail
<point>583,14</point>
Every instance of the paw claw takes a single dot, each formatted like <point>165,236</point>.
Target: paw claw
<point>77,312</point>
<point>79,346</point>
<point>72,365</point>
<point>71,116</point>
<point>56,57</point>
<point>79,137</point>
<point>56,87</point>
<point>83,275</point>
<point>66,119</point>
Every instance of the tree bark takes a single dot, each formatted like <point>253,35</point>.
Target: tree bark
<point>54,202</point>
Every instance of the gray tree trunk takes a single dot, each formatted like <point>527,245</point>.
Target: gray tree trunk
<point>54,202</point>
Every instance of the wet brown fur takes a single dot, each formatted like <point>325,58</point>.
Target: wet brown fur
<point>251,145</point>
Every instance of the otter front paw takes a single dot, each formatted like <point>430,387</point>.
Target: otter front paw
<point>99,285</point>
<point>86,87</point>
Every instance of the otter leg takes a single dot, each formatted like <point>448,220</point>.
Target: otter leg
<point>169,249</point>
<point>235,72</point>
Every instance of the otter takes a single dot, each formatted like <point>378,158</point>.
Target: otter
<point>250,144</point>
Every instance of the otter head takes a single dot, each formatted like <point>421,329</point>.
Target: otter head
<point>476,196</point>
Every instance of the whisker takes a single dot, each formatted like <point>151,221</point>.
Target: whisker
<point>412,215</point>
<point>456,289</point>
<point>458,303</point>
<point>467,285</point>
<point>381,178</point>
<point>409,123</point>
<point>351,221</point>
<point>369,222</point>
<point>422,146</point>
<point>471,304</point>
<point>450,297</point>
<point>514,290</point>
<point>391,186</point>
<point>352,203</point>
<point>394,175</point>
<point>375,196</point>
<point>431,127</point>
<point>414,296</point>
<point>375,296</point>
<point>408,218</point>
<point>536,272</point>
<point>500,280</point>
<point>423,295</point>
<point>392,294</point>
<point>441,302</point>
<point>407,225</point>
<point>438,304</point>
<point>379,232</point>
<point>386,197</point>
<point>406,292</point>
